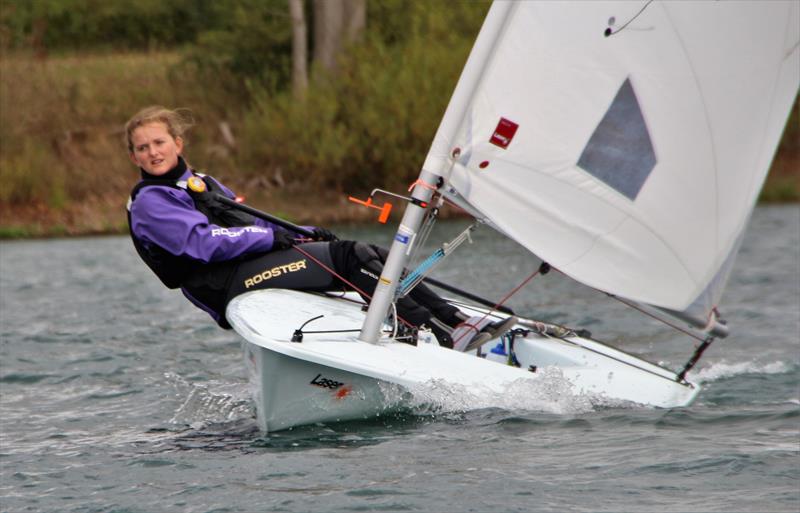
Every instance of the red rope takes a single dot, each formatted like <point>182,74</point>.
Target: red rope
<point>499,303</point>
<point>368,296</point>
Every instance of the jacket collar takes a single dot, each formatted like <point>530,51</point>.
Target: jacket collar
<point>173,175</point>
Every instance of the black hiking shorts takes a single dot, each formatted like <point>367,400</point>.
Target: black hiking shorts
<point>286,269</point>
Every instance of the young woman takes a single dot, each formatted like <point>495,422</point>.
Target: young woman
<point>213,252</point>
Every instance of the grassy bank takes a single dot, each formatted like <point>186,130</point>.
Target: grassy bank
<point>64,170</point>
<point>62,161</point>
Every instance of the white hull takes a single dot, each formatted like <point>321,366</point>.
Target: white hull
<point>293,392</point>
<point>333,376</point>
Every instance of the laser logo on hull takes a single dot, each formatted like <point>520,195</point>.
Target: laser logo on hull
<point>325,382</point>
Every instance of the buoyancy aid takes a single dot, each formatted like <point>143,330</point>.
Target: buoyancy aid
<point>173,270</point>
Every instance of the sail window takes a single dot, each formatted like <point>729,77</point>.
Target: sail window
<point>620,152</point>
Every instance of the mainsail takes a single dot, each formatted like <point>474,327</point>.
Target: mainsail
<point>625,143</point>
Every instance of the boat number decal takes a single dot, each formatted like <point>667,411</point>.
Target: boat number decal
<point>274,272</point>
<point>504,133</point>
<point>325,382</point>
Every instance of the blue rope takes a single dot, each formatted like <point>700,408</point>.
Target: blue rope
<point>417,273</point>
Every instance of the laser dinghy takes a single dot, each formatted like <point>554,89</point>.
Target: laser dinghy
<point>623,143</point>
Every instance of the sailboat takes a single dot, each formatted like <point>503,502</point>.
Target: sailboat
<point>623,143</point>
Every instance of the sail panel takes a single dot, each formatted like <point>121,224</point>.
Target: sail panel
<point>630,161</point>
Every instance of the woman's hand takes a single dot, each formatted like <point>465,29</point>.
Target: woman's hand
<point>322,234</point>
<point>281,239</point>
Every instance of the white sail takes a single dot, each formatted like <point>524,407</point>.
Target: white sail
<point>625,143</point>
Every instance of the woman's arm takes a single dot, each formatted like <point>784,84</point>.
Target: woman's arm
<point>167,218</point>
<point>258,221</point>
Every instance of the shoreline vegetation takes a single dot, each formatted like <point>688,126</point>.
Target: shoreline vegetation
<point>365,120</point>
<point>64,166</point>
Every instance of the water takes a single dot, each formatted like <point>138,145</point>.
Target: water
<point>117,396</point>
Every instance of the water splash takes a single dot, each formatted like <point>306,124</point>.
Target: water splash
<point>723,370</point>
<point>550,393</point>
<point>210,403</point>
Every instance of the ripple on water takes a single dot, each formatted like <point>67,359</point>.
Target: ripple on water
<point>74,437</point>
<point>24,379</point>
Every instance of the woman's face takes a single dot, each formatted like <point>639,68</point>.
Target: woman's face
<point>154,149</point>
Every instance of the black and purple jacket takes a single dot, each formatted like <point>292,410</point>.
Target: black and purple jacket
<point>186,244</point>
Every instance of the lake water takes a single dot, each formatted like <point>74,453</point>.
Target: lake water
<point>117,396</point>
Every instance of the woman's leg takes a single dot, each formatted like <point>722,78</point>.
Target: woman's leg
<point>361,264</point>
<point>358,263</point>
<point>285,269</point>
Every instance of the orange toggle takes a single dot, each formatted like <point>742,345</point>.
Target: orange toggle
<point>385,209</point>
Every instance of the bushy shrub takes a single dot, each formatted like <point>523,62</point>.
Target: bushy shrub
<point>250,49</point>
<point>31,173</point>
<point>371,123</point>
<point>58,25</point>
<point>61,123</point>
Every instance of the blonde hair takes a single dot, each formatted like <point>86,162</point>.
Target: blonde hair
<point>177,121</point>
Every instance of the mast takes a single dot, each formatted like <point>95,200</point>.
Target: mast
<point>437,165</point>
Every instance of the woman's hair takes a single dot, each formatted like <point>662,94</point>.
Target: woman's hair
<point>177,121</point>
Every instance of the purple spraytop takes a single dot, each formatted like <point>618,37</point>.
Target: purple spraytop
<point>167,217</point>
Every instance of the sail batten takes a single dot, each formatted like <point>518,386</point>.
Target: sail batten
<point>630,161</point>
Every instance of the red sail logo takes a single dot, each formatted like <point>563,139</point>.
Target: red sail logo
<point>504,133</point>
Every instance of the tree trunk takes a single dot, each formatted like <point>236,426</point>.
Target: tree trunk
<point>328,23</point>
<point>299,49</point>
<point>336,22</point>
<point>355,14</point>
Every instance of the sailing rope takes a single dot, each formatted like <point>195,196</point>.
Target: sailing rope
<point>422,237</point>
<point>345,281</point>
<point>418,274</point>
<point>699,350</point>
<point>611,32</point>
<point>642,310</point>
<point>694,359</point>
<point>422,184</point>
<point>543,269</point>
